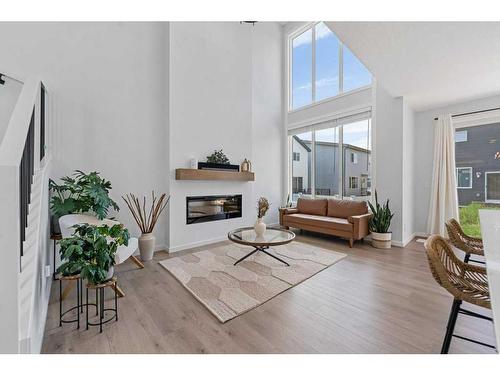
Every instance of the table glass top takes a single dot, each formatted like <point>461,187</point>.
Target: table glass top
<point>270,236</point>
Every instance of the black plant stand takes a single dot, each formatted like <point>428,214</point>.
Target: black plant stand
<point>79,297</point>
<point>99,303</point>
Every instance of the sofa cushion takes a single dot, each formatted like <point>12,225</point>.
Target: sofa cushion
<point>345,208</point>
<point>319,221</point>
<point>312,206</point>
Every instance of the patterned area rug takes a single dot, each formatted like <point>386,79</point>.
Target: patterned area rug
<point>228,290</point>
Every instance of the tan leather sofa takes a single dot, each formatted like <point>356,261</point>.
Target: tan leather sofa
<point>344,218</point>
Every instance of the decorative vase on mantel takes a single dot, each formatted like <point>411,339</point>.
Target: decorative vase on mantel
<point>147,246</point>
<point>260,227</point>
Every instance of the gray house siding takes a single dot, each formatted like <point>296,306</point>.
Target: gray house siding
<point>327,170</point>
<point>479,152</point>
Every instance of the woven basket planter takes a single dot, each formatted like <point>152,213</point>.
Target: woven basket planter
<point>381,240</point>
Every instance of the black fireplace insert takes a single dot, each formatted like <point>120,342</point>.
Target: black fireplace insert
<point>212,207</point>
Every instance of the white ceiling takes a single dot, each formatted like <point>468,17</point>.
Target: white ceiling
<point>432,64</point>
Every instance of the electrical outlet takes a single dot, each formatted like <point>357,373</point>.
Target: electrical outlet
<point>47,271</point>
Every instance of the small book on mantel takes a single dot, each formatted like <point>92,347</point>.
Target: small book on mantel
<point>219,167</point>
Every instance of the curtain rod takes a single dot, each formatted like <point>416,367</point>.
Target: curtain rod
<point>472,113</point>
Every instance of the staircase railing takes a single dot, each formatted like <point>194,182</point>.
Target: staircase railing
<point>22,154</point>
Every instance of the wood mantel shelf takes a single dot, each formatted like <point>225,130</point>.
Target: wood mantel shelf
<point>208,174</point>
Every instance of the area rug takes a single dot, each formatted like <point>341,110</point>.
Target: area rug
<point>228,290</point>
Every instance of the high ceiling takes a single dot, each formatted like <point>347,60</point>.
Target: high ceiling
<point>432,64</point>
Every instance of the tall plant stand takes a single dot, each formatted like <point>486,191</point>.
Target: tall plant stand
<point>79,297</point>
<point>100,303</point>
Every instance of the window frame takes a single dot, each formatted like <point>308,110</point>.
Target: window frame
<point>312,26</point>
<point>341,194</point>
<point>470,181</point>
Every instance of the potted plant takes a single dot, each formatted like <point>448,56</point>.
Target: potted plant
<point>262,208</point>
<point>146,221</point>
<point>380,223</point>
<point>217,161</point>
<point>80,193</point>
<point>91,251</point>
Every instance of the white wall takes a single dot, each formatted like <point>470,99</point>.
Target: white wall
<point>388,150</point>
<point>267,120</point>
<point>9,93</point>
<point>225,93</point>
<point>108,85</point>
<point>424,143</point>
<point>409,161</point>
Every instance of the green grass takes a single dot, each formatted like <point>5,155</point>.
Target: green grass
<point>469,217</point>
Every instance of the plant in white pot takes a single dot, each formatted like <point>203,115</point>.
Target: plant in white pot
<point>380,223</point>
<point>91,251</point>
<point>146,221</point>
<point>262,208</point>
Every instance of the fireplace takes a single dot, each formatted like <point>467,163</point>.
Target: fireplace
<point>212,207</point>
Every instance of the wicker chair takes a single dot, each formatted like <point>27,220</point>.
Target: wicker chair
<point>469,245</point>
<point>465,282</point>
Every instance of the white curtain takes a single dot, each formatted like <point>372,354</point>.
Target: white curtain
<point>444,199</point>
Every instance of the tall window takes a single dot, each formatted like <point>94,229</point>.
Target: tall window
<point>477,173</point>
<point>301,164</point>
<point>335,160</point>
<point>322,67</point>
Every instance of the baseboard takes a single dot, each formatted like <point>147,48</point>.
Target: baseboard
<point>160,247</point>
<point>210,241</point>
<point>191,245</point>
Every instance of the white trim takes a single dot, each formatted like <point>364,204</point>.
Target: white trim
<point>332,116</point>
<point>477,119</point>
<point>327,100</point>
<point>486,200</point>
<point>470,182</point>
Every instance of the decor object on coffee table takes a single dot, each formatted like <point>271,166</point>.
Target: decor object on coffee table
<point>380,223</point>
<point>262,208</point>
<point>146,221</point>
<point>271,237</point>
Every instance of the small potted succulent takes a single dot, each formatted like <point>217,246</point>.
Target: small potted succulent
<point>380,223</point>
<point>91,251</point>
<point>262,208</point>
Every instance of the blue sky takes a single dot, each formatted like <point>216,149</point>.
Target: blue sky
<point>327,67</point>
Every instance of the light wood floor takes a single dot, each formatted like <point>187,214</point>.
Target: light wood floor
<point>374,301</point>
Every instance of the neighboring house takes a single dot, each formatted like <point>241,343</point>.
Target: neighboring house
<point>327,176</point>
<point>477,155</point>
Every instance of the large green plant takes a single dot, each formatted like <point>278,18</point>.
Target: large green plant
<point>91,251</point>
<point>382,216</point>
<point>80,193</point>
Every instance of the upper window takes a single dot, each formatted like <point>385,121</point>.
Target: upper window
<point>296,156</point>
<point>322,67</point>
<point>461,136</point>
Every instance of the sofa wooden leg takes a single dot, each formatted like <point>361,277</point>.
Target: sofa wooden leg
<point>351,242</point>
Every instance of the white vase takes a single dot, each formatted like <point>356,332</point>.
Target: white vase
<point>147,246</point>
<point>111,273</point>
<point>381,240</point>
<point>259,227</point>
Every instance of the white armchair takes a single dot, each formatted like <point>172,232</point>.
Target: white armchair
<point>123,252</point>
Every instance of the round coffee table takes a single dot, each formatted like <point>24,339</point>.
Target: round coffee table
<point>271,237</point>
